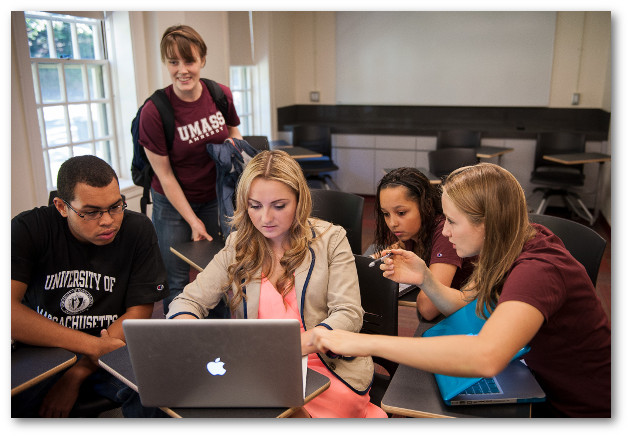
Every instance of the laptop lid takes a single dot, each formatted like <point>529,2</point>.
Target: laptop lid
<point>246,363</point>
<point>453,388</point>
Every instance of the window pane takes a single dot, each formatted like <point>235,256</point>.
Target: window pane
<point>37,38</point>
<point>85,35</point>
<point>95,80</point>
<point>56,157</point>
<point>237,96</point>
<point>50,83</point>
<point>63,39</point>
<point>79,122</point>
<point>99,120</point>
<point>236,81</point>
<point>74,83</point>
<point>104,150</point>
<point>55,125</point>
<point>82,149</point>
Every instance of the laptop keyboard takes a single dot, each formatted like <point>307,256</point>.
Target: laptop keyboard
<point>484,386</point>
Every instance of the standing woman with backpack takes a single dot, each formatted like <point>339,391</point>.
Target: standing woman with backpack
<point>183,187</point>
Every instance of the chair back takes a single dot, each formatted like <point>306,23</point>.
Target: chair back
<point>458,138</point>
<point>379,299</point>
<point>51,197</point>
<point>258,142</point>
<point>586,245</point>
<point>443,161</point>
<point>343,209</point>
<point>550,143</point>
<point>313,137</point>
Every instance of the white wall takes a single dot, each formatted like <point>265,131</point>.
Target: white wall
<point>444,58</point>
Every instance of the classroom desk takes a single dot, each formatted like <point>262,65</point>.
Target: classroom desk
<point>32,364</point>
<point>409,299</point>
<point>297,152</point>
<point>492,152</point>
<point>433,179</point>
<point>197,253</point>
<point>584,158</point>
<point>414,393</point>
<point>118,364</point>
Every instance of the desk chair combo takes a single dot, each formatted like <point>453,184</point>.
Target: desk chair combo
<point>560,179</point>
<point>343,209</point>
<point>582,242</point>
<point>258,142</point>
<point>317,139</point>
<point>443,161</point>
<point>379,299</point>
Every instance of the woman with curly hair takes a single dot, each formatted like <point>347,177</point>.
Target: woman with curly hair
<point>281,263</point>
<point>409,216</point>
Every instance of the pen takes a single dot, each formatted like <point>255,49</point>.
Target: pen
<point>381,259</point>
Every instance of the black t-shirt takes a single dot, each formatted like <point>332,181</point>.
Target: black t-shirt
<point>81,285</point>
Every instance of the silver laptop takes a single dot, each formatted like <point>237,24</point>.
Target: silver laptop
<point>216,363</point>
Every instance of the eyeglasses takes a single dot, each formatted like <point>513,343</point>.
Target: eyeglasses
<point>95,215</point>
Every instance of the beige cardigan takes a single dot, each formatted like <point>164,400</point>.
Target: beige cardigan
<point>331,297</point>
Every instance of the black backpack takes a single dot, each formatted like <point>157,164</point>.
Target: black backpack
<point>141,171</point>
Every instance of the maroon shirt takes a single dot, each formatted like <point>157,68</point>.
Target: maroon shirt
<point>571,353</point>
<point>442,251</point>
<point>196,124</point>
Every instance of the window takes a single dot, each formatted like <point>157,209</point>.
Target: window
<point>242,91</point>
<point>72,85</point>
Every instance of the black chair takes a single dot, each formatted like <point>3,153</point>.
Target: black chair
<point>586,245</point>
<point>379,298</point>
<point>258,142</point>
<point>559,179</point>
<point>343,209</point>
<point>443,161</point>
<point>51,197</point>
<point>317,139</point>
<point>458,138</point>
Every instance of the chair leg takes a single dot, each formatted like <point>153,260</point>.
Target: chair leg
<point>582,211</point>
<point>328,182</point>
<point>543,205</point>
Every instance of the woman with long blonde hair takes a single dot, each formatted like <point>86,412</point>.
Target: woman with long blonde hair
<point>536,293</point>
<point>281,263</point>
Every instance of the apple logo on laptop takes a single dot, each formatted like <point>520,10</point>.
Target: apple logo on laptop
<point>216,367</point>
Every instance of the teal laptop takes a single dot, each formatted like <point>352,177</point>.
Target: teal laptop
<point>515,384</point>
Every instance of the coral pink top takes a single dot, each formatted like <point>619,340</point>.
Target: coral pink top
<point>339,400</point>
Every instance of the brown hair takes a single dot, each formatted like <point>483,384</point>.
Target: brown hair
<point>184,38</point>
<point>490,195</point>
<point>252,248</point>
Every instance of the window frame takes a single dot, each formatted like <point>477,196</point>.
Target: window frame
<point>34,103</point>
<point>248,118</point>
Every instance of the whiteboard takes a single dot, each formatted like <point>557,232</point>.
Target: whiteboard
<point>501,58</point>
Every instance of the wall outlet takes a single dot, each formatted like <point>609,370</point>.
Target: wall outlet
<point>575,100</point>
<point>314,96</point>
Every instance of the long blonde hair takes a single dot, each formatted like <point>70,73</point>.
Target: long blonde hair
<point>490,195</point>
<point>253,250</point>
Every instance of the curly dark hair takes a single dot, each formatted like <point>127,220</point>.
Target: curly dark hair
<point>428,199</point>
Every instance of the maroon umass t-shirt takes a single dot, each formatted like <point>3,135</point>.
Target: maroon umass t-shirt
<point>196,124</point>
<point>571,353</point>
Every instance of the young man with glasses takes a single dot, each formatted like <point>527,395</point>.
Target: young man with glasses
<point>78,269</point>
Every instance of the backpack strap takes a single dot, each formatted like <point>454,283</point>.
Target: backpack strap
<point>165,109</point>
<point>218,96</point>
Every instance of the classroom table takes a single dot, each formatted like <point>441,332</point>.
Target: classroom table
<point>492,152</point>
<point>32,364</point>
<point>584,158</point>
<point>197,253</point>
<point>297,152</point>
<point>118,364</point>
<point>433,179</point>
<point>414,393</point>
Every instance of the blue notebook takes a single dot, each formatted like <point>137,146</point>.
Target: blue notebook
<point>515,384</point>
